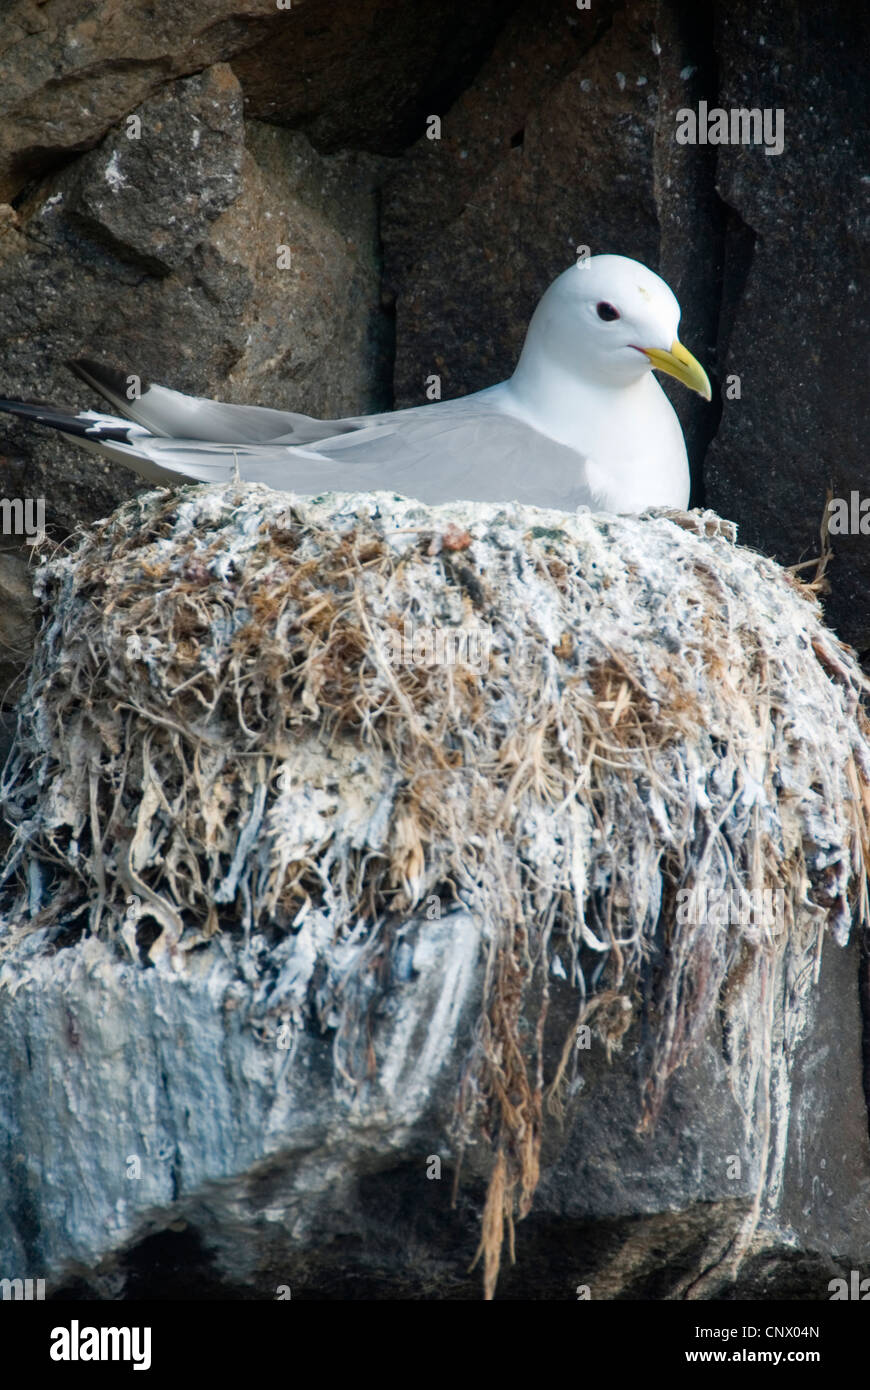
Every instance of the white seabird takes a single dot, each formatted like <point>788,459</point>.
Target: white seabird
<point>582,421</point>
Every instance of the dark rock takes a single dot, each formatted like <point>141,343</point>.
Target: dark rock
<point>359,76</point>
<point>796,326</point>
<point>17,629</point>
<point>70,77</point>
<point>365,76</point>
<point>565,140</point>
<point>83,272</point>
<point>690,214</point>
<point>502,219</point>
<point>126,192</point>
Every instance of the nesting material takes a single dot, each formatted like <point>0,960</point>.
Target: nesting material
<point>305,721</point>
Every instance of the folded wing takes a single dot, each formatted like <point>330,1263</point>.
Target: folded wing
<point>473,447</point>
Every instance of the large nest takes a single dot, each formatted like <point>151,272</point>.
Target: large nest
<point>221,732</point>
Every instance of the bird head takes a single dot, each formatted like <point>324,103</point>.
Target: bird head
<point>611,320</point>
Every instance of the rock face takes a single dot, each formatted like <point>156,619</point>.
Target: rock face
<point>248,262</point>
<point>17,628</point>
<point>321,207</point>
<point>795,323</point>
<point>185,1154</point>
<point>433,906</point>
<point>352,76</point>
<point>124,193</point>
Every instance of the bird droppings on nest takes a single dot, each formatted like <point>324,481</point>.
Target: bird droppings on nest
<point>216,737</point>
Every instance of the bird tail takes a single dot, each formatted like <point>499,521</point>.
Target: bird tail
<point>89,425</point>
<point>108,436</point>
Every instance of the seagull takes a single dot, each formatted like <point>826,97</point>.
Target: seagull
<point>581,423</point>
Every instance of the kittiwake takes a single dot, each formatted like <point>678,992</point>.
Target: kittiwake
<point>582,421</point>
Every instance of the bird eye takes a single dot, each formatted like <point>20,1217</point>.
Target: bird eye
<point>606,311</point>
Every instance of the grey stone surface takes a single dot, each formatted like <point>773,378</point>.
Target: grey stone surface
<point>365,76</point>
<point>72,71</point>
<point>357,76</point>
<point>171,268</point>
<point>795,325</point>
<point>17,627</point>
<point>255,1171</point>
<point>177,1096</point>
<point>127,192</point>
<point>523,174</point>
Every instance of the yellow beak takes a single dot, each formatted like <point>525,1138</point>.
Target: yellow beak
<point>680,363</point>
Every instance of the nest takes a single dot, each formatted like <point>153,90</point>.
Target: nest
<point>240,719</point>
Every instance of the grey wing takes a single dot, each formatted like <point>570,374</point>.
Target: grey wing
<point>173,415</point>
<point>468,448</point>
<point>430,453</point>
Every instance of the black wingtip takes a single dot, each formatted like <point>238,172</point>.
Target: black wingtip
<point>109,381</point>
<point>67,422</point>
<point>29,410</point>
